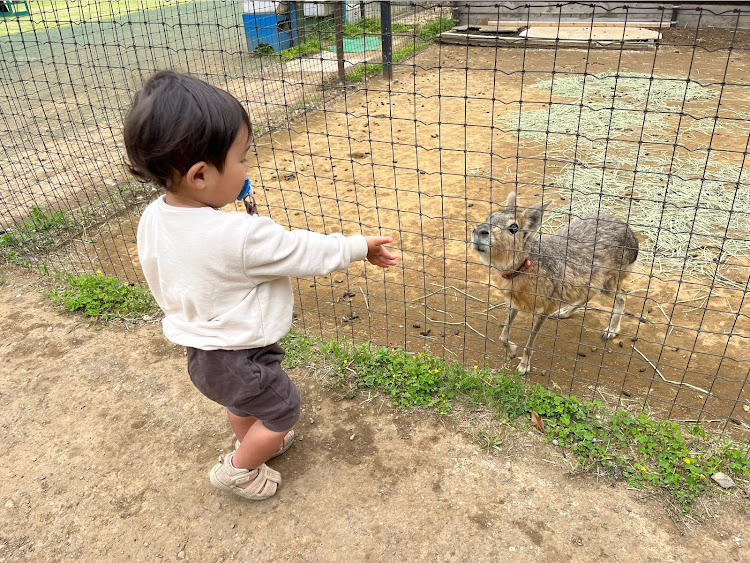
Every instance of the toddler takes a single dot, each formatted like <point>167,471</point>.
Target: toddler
<point>222,279</point>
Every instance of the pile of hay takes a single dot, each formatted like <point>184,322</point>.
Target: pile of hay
<point>623,144</point>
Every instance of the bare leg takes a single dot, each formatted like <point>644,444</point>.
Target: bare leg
<point>525,364</point>
<point>505,334</point>
<point>257,447</point>
<point>240,424</point>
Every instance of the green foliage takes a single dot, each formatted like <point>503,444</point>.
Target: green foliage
<point>371,27</point>
<point>39,231</point>
<point>362,71</point>
<point>104,297</point>
<point>663,454</point>
<point>643,451</point>
<point>488,442</point>
<point>309,47</point>
<point>299,349</point>
<point>411,381</point>
<point>324,35</point>
<point>31,231</point>
<point>432,28</point>
<point>264,49</point>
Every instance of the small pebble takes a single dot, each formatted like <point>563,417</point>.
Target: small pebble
<point>312,421</point>
<point>555,442</point>
<point>49,329</point>
<point>352,436</point>
<point>723,480</point>
<point>628,508</point>
<point>642,370</point>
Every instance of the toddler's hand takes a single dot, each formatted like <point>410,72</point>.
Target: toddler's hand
<point>378,254</point>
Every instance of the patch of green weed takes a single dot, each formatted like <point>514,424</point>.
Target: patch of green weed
<point>643,451</point>
<point>433,28</point>
<point>299,349</point>
<point>104,297</point>
<point>410,380</point>
<point>425,35</point>
<point>40,222</point>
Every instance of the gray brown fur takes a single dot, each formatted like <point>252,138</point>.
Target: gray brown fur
<point>590,256</point>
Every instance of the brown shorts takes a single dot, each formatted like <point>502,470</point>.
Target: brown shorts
<point>247,382</point>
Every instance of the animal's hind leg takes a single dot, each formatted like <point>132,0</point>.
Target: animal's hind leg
<point>565,312</point>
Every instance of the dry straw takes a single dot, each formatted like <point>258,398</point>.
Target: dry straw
<point>637,146</point>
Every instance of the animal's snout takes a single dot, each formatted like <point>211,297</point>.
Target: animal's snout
<point>481,238</point>
<point>481,233</point>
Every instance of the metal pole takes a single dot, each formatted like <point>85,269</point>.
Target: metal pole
<point>339,22</point>
<point>386,33</point>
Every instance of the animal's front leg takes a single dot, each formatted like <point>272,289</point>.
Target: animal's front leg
<point>505,334</point>
<point>525,364</point>
<point>614,323</point>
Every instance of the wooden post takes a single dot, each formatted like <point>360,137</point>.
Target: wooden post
<point>339,23</point>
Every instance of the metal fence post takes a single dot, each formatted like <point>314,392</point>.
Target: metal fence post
<point>387,39</point>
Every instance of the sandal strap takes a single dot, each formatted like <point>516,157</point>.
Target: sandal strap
<point>264,477</point>
<point>243,477</point>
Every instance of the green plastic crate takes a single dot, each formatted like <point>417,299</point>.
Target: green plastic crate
<point>13,8</point>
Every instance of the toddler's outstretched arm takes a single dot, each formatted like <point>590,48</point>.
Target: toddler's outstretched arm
<point>378,254</point>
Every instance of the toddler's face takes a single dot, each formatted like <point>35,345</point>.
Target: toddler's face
<point>233,175</point>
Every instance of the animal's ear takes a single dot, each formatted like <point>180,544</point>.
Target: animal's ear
<point>532,218</point>
<point>510,201</point>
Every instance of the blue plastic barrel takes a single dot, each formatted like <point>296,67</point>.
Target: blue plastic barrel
<point>270,29</point>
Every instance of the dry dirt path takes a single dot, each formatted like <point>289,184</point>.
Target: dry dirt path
<point>108,447</point>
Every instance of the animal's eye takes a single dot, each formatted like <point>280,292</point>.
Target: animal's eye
<point>513,228</point>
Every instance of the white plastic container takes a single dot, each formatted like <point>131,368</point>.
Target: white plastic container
<point>256,7</point>
<point>318,9</point>
<point>353,12</point>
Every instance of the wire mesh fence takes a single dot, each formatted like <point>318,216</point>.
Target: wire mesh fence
<point>416,120</point>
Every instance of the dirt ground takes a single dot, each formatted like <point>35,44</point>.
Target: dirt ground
<point>422,159</point>
<point>108,447</point>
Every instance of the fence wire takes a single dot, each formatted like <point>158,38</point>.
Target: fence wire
<point>416,120</point>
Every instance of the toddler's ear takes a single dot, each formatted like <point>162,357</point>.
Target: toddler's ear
<point>196,175</point>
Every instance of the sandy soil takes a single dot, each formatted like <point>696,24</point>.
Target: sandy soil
<point>108,447</point>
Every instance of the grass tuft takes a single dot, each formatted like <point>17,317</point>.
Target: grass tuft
<point>636,448</point>
<point>104,298</point>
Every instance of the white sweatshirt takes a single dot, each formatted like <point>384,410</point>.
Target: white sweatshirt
<point>222,279</point>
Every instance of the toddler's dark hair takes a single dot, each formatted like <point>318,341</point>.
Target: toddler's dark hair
<point>177,120</point>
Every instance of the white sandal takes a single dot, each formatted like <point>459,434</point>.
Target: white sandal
<point>263,480</point>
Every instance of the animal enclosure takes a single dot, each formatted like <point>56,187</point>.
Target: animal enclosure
<point>655,132</point>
